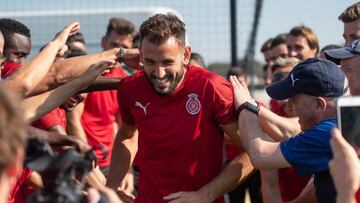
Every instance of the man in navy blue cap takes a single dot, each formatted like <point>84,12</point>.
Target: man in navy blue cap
<point>348,58</point>
<point>312,88</point>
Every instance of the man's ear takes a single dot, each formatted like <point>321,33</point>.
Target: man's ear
<point>186,56</point>
<point>103,42</point>
<point>321,104</point>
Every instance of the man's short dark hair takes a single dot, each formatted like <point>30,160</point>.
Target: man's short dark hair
<point>279,39</point>
<point>237,71</point>
<point>121,26</point>
<point>198,58</point>
<point>266,46</point>
<point>10,26</point>
<point>160,27</point>
<point>329,47</point>
<point>77,37</point>
<point>350,14</point>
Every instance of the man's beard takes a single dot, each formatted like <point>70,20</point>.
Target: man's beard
<point>174,82</point>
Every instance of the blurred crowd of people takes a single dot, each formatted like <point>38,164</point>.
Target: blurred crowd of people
<point>162,128</point>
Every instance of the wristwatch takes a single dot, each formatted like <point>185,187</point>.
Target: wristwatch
<point>250,107</point>
<point>121,54</point>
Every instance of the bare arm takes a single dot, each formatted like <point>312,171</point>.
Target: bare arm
<point>57,129</point>
<point>31,73</point>
<point>63,71</point>
<point>270,186</point>
<point>39,105</point>
<point>103,83</point>
<point>277,127</point>
<point>124,150</point>
<point>264,153</point>
<point>74,122</point>
<point>56,139</point>
<point>344,168</point>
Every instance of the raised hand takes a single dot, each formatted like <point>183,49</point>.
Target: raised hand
<point>127,184</point>
<point>62,36</point>
<point>241,92</point>
<point>344,167</point>
<point>132,58</point>
<point>69,30</point>
<point>95,70</point>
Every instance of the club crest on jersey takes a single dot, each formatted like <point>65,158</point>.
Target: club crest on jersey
<point>193,105</point>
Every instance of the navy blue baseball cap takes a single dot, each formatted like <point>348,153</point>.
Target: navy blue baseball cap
<point>314,77</point>
<point>349,51</point>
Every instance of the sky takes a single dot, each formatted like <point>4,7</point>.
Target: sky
<point>207,21</point>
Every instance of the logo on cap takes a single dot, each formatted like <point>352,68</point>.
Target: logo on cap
<point>354,44</point>
<point>293,80</point>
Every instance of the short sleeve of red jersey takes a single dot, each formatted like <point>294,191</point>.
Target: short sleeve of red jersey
<point>124,104</point>
<point>223,100</point>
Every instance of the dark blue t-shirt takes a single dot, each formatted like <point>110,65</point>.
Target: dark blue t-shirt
<point>310,153</point>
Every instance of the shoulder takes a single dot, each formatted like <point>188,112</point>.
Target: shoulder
<point>325,125</point>
<point>201,75</point>
<point>319,135</point>
<point>136,80</point>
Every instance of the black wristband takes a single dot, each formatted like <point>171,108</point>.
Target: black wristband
<point>250,107</point>
<point>121,54</point>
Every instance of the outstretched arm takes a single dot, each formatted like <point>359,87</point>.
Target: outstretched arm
<point>56,139</point>
<point>30,74</point>
<point>263,151</point>
<point>277,127</point>
<point>63,71</point>
<point>40,105</point>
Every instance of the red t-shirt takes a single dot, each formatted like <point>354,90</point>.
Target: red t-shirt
<point>9,68</point>
<point>16,188</point>
<point>291,183</point>
<point>55,117</point>
<point>100,111</point>
<point>180,138</point>
<point>357,196</point>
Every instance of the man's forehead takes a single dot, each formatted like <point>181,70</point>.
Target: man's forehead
<point>19,41</point>
<point>354,25</point>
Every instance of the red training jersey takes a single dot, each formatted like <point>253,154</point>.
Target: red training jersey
<point>100,111</point>
<point>53,118</point>
<point>180,138</point>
